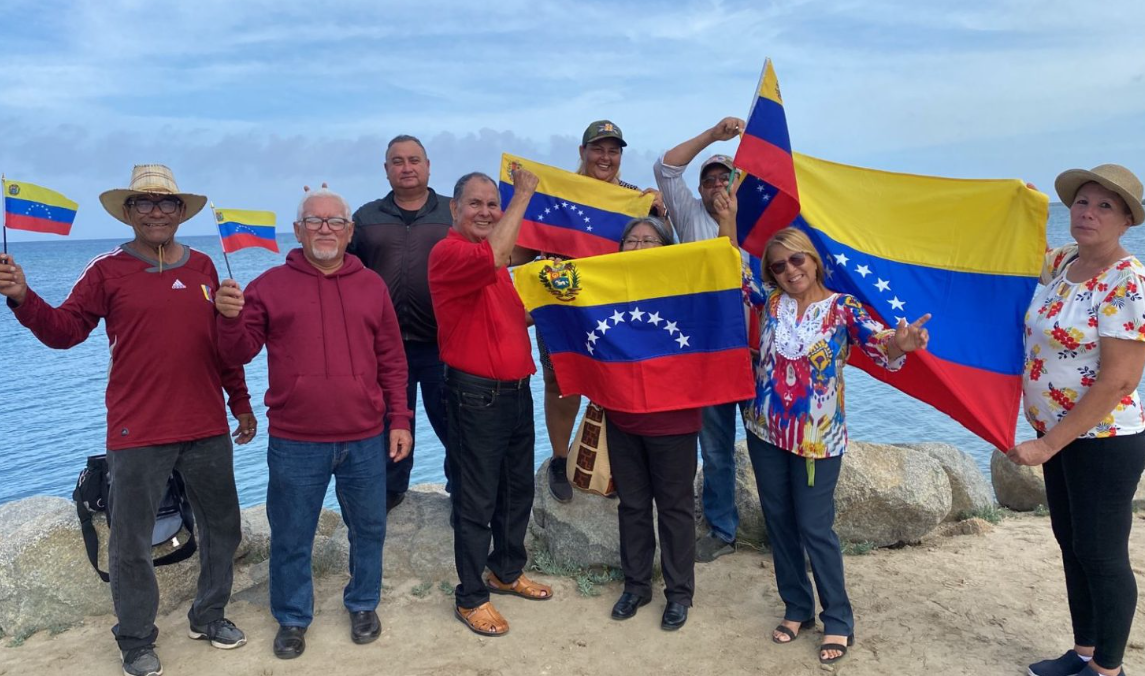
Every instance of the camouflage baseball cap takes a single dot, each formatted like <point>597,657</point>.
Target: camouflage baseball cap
<point>602,129</point>
<point>722,160</point>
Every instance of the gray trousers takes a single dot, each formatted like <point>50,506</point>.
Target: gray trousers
<point>138,483</point>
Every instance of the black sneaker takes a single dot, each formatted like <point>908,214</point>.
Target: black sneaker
<point>141,662</point>
<point>223,634</point>
<point>559,484</point>
<point>711,547</point>
<point>1069,664</point>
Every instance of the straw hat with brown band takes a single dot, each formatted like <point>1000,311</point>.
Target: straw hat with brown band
<point>150,179</point>
<point>1112,177</point>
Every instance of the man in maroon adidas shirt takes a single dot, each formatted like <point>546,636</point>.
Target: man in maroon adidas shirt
<point>164,402</point>
<point>481,329</point>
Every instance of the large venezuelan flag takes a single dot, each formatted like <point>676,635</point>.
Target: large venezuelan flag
<point>650,330</point>
<point>765,154</point>
<point>967,251</point>
<point>30,207</point>
<point>570,214</point>
<point>239,229</point>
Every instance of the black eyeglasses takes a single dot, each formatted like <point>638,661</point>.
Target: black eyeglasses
<point>714,179</point>
<point>167,205</point>
<point>336,224</point>
<point>797,259</point>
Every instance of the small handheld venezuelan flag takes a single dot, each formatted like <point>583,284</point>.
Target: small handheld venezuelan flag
<point>36,209</point>
<point>768,197</point>
<point>239,229</point>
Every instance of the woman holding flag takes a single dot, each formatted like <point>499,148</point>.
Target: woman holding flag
<point>601,150</point>
<point>796,421</point>
<point>653,459</point>
<point>1085,352</point>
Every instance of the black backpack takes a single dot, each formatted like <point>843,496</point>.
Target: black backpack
<point>93,494</point>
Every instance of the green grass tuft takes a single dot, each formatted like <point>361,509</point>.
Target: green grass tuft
<point>422,589</point>
<point>587,579</point>
<point>994,514</point>
<point>445,588</point>
<point>858,548</point>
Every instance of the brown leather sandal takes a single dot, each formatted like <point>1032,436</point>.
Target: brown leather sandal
<point>522,586</point>
<point>484,619</point>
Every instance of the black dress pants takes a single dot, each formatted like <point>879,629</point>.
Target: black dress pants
<point>1089,488</point>
<point>490,458</point>
<point>660,469</point>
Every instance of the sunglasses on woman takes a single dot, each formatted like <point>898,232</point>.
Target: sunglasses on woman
<point>796,259</point>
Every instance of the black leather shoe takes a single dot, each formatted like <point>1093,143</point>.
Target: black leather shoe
<point>364,626</point>
<point>289,642</point>
<point>627,605</point>
<point>675,615</point>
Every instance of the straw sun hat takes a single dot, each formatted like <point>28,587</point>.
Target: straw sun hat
<point>1109,176</point>
<point>150,179</point>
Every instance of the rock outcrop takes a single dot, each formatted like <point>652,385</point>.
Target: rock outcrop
<point>888,495</point>
<point>1018,487</point>
<point>583,532</point>
<point>969,490</point>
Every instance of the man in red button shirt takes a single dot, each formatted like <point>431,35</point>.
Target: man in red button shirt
<point>484,343</point>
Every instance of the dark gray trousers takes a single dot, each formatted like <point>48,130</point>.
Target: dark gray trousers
<point>138,483</point>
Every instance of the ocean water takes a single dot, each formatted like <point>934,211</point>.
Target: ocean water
<point>52,413</point>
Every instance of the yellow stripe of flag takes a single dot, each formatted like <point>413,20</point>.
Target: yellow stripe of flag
<point>35,193</point>
<point>583,190</point>
<point>968,225</point>
<point>709,265</point>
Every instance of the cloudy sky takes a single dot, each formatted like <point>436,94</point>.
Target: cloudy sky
<point>248,101</point>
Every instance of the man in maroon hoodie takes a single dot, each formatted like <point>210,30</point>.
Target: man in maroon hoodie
<point>337,376</point>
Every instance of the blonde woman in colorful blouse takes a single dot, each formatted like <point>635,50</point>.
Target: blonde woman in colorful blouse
<point>1085,349</point>
<point>797,426</point>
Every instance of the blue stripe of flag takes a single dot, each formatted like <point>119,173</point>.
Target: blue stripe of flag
<point>19,207</point>
<point>962,329</point>
<point>768,122</point>
<point>562,213</point>
<point>645,329</point>
<point>754,197</point>
<point>228,228</point>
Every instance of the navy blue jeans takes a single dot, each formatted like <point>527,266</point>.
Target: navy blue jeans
<point>300,472</point>
<point>717,448</point>
<point>425,367</point>
<point>801,517</point>
<point>490,458</point>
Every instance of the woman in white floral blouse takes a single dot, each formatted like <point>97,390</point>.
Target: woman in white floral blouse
<point>1085,350</point>
<point>796,421</point>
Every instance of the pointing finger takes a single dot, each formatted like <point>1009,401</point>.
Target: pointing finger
<point>921,320</point>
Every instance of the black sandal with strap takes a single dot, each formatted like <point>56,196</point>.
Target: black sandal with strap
<point>791,636</point>
<point>835,646</point>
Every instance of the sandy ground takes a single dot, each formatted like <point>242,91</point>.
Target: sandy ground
<point>978,604</point>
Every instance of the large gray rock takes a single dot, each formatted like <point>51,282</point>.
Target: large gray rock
<point>419,539</point>
<point>1023,489</point>
<point>584,532</point>
<point>887,495</point>
<point>752,529</point>
<point>969,489</point>
<point>1018,487</point>
<point>46,581</point>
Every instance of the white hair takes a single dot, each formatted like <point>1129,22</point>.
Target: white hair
<point>322,192</point>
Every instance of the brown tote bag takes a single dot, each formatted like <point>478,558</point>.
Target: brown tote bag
<point>588,468</point>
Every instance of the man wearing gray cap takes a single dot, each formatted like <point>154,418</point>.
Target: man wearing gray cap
<point>693,219</point>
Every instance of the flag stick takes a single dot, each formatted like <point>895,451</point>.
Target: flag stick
<point>4,213</point>
<point>226,260</point>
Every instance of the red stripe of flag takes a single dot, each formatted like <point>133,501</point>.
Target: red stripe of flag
<point>34,224</point>
<point>554,239</point>
<point>243,240</point>
<point>655,384</point>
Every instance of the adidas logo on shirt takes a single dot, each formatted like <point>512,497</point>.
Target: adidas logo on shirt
<point>178,285</point>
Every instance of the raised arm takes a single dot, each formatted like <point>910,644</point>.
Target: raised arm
<point>504,236</point>
<point>726,129</point>
<point>241,324</point>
